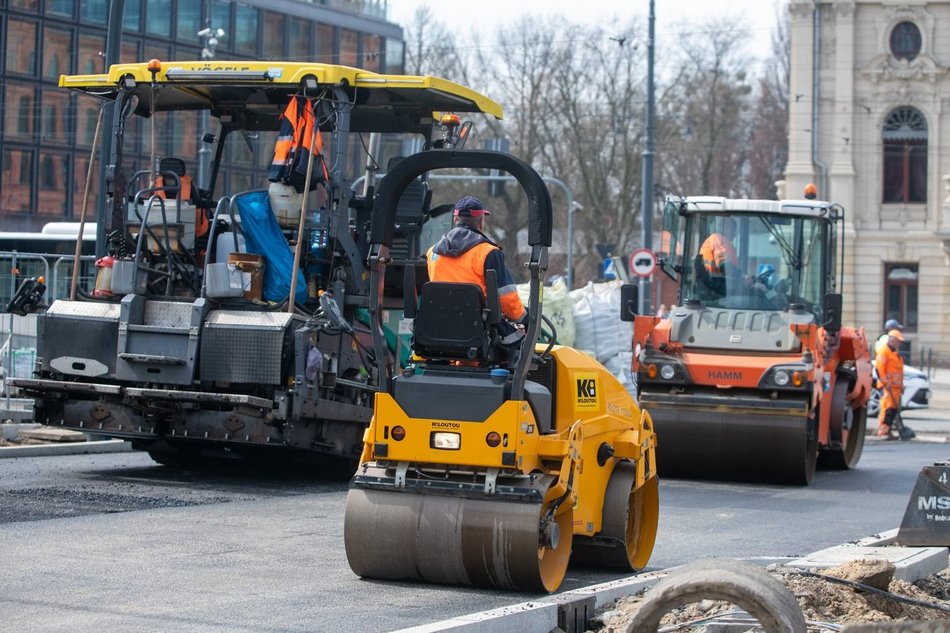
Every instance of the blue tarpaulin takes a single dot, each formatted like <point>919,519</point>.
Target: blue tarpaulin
<point>264,237</point>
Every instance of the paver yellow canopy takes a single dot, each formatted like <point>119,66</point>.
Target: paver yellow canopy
<point>490,471</point>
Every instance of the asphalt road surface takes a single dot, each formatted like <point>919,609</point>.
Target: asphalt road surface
<point>116,543</point>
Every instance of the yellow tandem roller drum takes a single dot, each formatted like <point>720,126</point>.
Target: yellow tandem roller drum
<point>521,541</point>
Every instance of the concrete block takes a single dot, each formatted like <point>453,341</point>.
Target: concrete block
<point>912,563</point>
<point>12,431</point>
<point>50,434</point>
<point>877,540</point>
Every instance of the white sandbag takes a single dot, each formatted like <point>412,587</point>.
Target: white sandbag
<point>621,367</point>
<point>556,305</point>
<point>598,329</point>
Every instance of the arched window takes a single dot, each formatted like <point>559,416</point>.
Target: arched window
<point>905,41</point>
<point>905,156</point>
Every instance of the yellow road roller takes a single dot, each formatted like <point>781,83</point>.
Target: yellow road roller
<point>486,468</point>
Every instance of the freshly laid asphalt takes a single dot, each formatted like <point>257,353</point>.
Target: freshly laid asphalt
<point>114,542</point>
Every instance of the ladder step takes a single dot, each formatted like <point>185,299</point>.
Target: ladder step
<point>158,329</point>
<point>152,359</point>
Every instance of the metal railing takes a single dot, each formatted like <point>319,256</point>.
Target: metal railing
<point>56,269</point>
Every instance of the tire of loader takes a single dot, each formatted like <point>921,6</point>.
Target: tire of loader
<point>629,523</point>
<point>847,428</point>
<point>742,584</point>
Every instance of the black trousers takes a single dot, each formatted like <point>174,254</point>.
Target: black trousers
<point>889,416</point>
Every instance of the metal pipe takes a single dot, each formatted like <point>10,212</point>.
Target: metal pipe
<point>82,214</point>
<point>298,247</point>
<point>9,374</point>
<point>372,167</point>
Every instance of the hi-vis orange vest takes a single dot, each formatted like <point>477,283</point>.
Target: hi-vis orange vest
<point>292,150</point>
<point>469,268</point>
<point>890,371</point>
<point>716,251</point>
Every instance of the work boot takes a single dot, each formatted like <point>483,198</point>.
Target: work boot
<point>883,430</point>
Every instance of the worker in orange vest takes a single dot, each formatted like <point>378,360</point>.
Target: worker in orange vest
<point>464,254</point>
<point>718,253</point>
<point>890,374</point>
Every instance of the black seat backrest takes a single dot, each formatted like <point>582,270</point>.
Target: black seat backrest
<point>174,165</point>
<point>450,323</point>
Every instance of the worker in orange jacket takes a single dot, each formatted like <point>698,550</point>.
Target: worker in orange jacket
<point>718,250</point>
<point>890,374</point>
<point>464,254</point>
<point>719,256</point>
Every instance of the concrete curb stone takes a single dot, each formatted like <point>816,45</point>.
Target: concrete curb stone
<point>73,448</point>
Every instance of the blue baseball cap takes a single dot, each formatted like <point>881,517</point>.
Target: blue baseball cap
<point>893,324</point>
<point>470,207</point>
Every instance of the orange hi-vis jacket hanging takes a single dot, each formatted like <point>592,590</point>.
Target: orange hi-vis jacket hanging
<point>292,150</point>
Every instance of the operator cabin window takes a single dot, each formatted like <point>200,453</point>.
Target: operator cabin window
<point>900,293</point>
<point>905,41</point>
<point>905,156</point>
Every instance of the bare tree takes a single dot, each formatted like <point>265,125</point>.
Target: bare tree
<point>574,100</point>
<point>432,49</point>
<point>598,126</point>
<point>768,147</point>
<point>706,131</point>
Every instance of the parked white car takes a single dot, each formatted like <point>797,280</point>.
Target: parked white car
<point>916,392</point>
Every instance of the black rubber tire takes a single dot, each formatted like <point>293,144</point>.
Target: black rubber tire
<point>847,428</point>
<point>742,584</point>
<point>806,475</point>
<point>628,524</point>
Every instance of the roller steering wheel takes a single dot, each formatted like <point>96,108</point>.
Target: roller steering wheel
<point>550,333</point>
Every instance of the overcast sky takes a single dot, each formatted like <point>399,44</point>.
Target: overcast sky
<point>671,15</point>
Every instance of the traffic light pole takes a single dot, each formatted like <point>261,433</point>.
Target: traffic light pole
<point>113,46</point>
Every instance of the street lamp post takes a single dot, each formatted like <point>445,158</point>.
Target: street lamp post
<point>646,192</point>
<point>570,241</point>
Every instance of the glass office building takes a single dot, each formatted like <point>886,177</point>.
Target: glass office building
<point>47,132</point>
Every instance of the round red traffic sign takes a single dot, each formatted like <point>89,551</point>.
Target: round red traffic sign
<point>642,262</point>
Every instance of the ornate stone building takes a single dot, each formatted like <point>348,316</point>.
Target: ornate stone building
<point>870,125</point>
